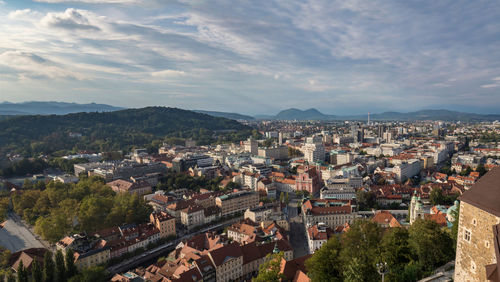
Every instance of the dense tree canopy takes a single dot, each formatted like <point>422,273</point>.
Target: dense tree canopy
<point>88,206</point>
<point>114,131</point>
<point>410,254</point>
<point>269,271</point>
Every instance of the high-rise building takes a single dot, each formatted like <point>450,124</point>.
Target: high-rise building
<point>314,151</point>
<point>380,130</point>
<point>251,146</point>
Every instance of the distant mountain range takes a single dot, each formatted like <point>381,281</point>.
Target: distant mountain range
<point>49,108</point>
<point>8,110</point>
<point>226,115</point>
<point>296,114</point>
<point>444,115</point>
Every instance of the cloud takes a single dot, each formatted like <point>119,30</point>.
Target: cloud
<point>168,73</point>
<point>496,83</point>
<point>26,14</point>
<point>275,51</point>
<point>30,65</point>
<point>92,1</point>
<point>71,19</point>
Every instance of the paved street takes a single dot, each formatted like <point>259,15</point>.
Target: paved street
<point>298,237</point>
<point>15,236</point>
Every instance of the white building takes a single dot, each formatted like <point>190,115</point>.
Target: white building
<point>338,191</point>
<point>407,169</point>
<point>313,150</point>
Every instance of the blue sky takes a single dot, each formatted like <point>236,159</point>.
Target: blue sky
<point>254,57</point>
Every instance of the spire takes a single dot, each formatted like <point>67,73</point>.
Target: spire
<point>276,250</point>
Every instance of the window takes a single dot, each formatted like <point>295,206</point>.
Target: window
<point>467,235</point>
<point>487,244</point>
<point>473,267</point>
<point>474,222</point>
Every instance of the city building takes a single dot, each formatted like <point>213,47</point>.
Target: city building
<point>164,222</point>
<point>193,216</point>
<point>237,202</point>
<point>317,235</point>
<point>125,186</point>
<point>333,213</point>
<point>308,179</point>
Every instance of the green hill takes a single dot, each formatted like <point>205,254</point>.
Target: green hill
<point>226,115</point>
<point>119,130</point>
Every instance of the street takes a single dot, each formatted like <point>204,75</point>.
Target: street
<point>298,237</point>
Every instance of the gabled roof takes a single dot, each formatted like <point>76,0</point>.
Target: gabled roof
<point>385,217</point>
<point>485,193</point>
<point>223,254</point>
<point>290,268</point>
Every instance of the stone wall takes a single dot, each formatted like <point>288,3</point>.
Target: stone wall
<point>473,256</point>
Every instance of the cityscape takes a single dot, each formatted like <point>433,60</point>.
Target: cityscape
<point>221,141</point>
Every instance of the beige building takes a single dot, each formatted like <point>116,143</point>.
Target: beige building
<point>164,222</point>
<point>228,261</point>
<point>193,216</point>
<point>237,202</point>
<point>333,213</point>
<point>477,256</point>
<point>89,251</point>
<point>125,186</point>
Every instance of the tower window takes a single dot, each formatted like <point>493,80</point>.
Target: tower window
<point>467,235</point>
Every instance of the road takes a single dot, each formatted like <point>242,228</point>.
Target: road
<point>15,236</point>
<point>298,237</point>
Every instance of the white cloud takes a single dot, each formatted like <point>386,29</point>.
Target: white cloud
<point>71,19</point>
<point>168,73</point>
<point>490,85</point>
<point>30,65</point>
<point>26,14</point>
<point>93,1</point>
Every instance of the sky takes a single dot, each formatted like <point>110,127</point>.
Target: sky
<point>254,57</point>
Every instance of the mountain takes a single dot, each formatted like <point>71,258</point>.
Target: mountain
<point>226,115</point>
<point>444,115</point>
<point>118,130</point>
<point>296,114</point>
<point>49,108</point>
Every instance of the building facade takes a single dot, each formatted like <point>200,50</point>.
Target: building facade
<point>476,259</point>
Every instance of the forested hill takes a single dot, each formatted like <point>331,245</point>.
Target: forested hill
<point>118,130</point>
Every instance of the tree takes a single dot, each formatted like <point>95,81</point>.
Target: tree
<point>432,246</point>
<point>481,169</point>
<point>70,264</point>
<point>325,264</point>
<point>454,228</point>
<point>92,274</point>
<point>466,172</point>
<point>11,278</point>
<point>396,252</point>
<point>270,269</point>
<point>60,275</point>
<point>22,275</point>
<point>437,197</point>
<point>48,268</point>
<point>360,247</point>
<point>282,197</point>
<point>36,272</point>
<point>366,200</point>
<point>287,199</point>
